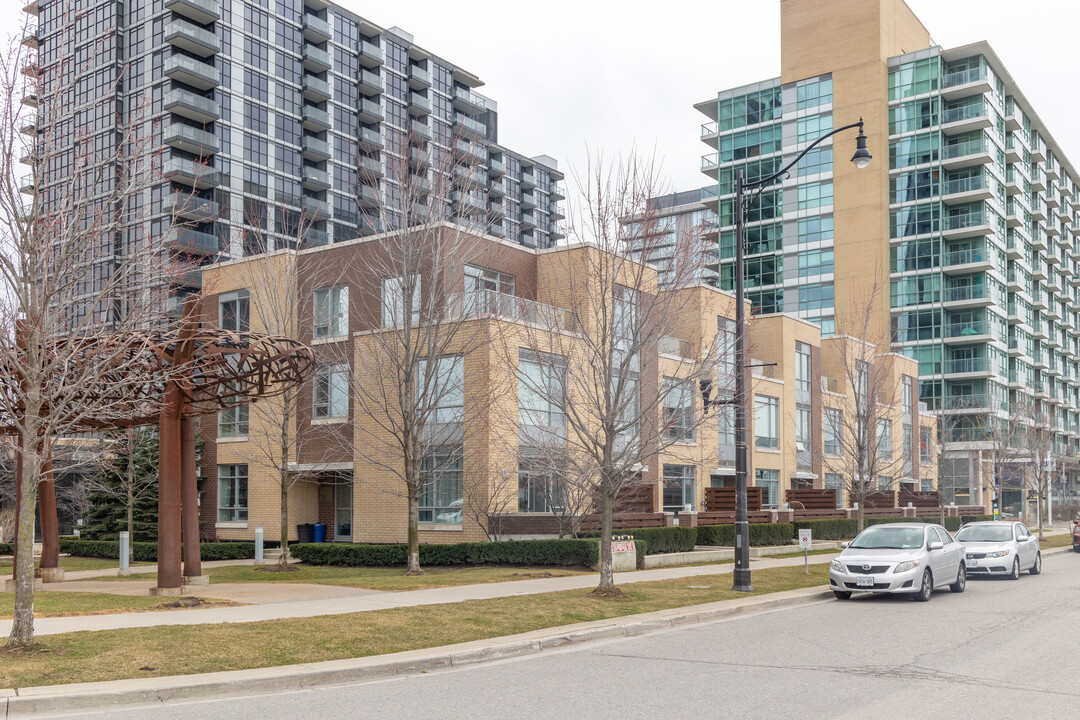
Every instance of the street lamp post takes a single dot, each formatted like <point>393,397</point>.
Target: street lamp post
<point>861,159</point>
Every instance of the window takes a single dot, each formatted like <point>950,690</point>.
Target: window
<point>907,444</point>
<point>234,311</point>
<point>814,93</point>
<point>769,482</point>
<point>815,195</point>
<point>541,379</point>
<point>678,487</point>
<point>818,160</point>
<point>626,404</point>
<point>802,367</point>
<point>914,78</point>
<point>926,445</point>
<point>816,296</point>
<point>441,498</point>
<point>678,409</point>
<point>232,493</point>
<point>907,395</point>
<point>750,109</point>
<point>233,422</point>
<point>541,485</point>
<point>332,312</point>
<point>815,262</point>
<point>815,229</point>
<point>331,393</point>
<point>813,127</point>
<point>766,421</point>
<point>478,278</point>
<point>835,482</point>
<point>802,428</point>
<point>884,439</point>
<point>832,431</point>
<point>624,315</point>
<point>394,305</point>
<point>725,351</point>
<point>725,418</point>
<point>442,393</point>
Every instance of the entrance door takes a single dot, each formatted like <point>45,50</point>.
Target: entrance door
<point>343,511</point>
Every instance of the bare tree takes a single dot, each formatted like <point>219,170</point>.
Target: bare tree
<point>592,353</point>
<point>1043,468</point>
<point>863,428</point>
<point>488,499</point>
<point>69,271</point>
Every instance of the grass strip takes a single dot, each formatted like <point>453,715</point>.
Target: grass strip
<point>74,564</point>
<point>181,650</point>
<point>62,604</point>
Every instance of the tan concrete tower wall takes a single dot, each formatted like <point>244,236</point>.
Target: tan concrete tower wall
<point>853,39</point>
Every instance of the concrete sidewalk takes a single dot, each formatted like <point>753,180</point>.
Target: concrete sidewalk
<point>333,602</point>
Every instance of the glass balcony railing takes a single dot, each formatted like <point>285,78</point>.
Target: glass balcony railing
<point>968,184</point>
<point>974,401</point>
<point>710,161</point>
<point>963,149</point>
<point>966,292</point>
<point>708,129</point>
<point>966,220</point>
<point>480,303</point>
<point>963,257</point>
<point>964,329</point>
<point>963,77</point>
<point>963,113</point>
<point>967,365</point>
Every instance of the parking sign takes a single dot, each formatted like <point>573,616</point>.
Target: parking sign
<point>805,538</point>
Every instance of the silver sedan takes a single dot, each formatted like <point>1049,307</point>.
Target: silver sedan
<point>914,558</point>
<point>1000,548</point>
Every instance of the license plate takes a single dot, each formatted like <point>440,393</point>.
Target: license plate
<point>973,563</point>
<point>864,582</point>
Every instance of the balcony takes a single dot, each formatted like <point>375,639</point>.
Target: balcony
<point>419,159</point>
<point>194,107</point>
<point>710,165</point>
<point>313,148</point>
<point>468,176</point>
<point>468,102</point>
<point>370,139</point>
<point>314,179</point>
<point>498,188</point>
<point>419,106</point>
<point>192,140</point>
<point>316,59</point>
<point>528,200</point>
<point>957,121</point>
<point>496,168</point>
<point>556,192</point>
<point>314,208</point>
<point>316,29</point>
<point>316,89</point>
<point>192,242</point>
<point>709,133</point>
<point>528,181</point>
<point>203,12</point>
<point>472,153</point>
<point>468,200</point>
<point>370,111</point>
<point>968,367</point>
<point>191,172</point>
<point>419,133</point>
<point>189,278</point>
<point>189,207</point>
<point>974,331</point>
<point>315,119</point>
<point>468,127</point>
<point>192,38</point>
<point>370,55</point>
<point>190,71</point>
<point>370,168</point>
<point>965,190</point>
<point>367,196</point>
<point>370,83</point>
<point>965,154</point>
<point>967,225</point>
<point>30,99</point>
<point>967,296</point>
<point>501,306</point>
<point>976,402</point>
<point>419,78</point>
<point>964,83</point>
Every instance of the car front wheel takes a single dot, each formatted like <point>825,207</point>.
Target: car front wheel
<point>1015,574</point>
<point>1037,567</point>
<point>841,595</point>
<point>926,588</point>
<point>961,580</point>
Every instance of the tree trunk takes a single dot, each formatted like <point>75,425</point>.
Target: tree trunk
<point>606,588</point>
<point>132,444</point>
<point>22,627</point>
<point>414,534</point>
<point>860,522</point>
<point>1039,510</point>
<point>283,477</point>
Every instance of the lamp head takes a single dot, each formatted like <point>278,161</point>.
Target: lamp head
<point>862,156</point>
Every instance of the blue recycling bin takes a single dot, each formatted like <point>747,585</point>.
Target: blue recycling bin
<point>319,534</point>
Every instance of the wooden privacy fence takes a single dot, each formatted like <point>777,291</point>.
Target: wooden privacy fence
<point>625,521</point>
<point>927,499</point>
<point>813,499</point>
<point>722,500</point>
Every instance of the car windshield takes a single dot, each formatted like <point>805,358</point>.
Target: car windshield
<point>893,538</point>
<point>985,533</point>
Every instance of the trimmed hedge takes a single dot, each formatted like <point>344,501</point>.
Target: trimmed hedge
<point>658,540</point>
<point>147,552</point>
<point>7,548</point>
<point>761,534</point>
<point>844,529</point>
<point>511,552</point>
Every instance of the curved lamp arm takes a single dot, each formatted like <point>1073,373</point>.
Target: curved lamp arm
<point>783,171</point>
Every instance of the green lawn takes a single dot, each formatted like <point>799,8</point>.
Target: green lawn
<point>147,652</point>
<point>391,579</point>
<point>1053,541</point>
<point>73,564</point>
<point>57,604</point>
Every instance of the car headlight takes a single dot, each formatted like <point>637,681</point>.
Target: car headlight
<point>905,566</point>
<point>997,553</point>
<point>837,566</point>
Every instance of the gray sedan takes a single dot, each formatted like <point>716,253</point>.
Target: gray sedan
<point>914,558</point>
<point>1000,548</point>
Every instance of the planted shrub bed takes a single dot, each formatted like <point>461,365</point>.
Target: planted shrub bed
<point>582,553</point>
<point>658,540</point>
<point>761,534</point>
<point>147,551</point>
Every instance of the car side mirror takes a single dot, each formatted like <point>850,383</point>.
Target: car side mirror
<point>1023,539</point>
<point>844,545</point>
<point>937,545</point>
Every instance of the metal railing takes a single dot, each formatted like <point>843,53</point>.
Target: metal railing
<point>964,77</point>
<point>967,365</point>
<point>966,292</point>
<point>479,303</point>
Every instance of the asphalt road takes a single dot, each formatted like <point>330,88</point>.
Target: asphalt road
<point>1002,649</point>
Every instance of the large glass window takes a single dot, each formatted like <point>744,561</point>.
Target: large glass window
<point>541,383</point>
<point>914,150</point>
<point>332,312</point>
<point>802,367</point>
<point>926,445</point>
<point>818,160</point>
<point>749,109</point>
<point>814,93</point>
<point>816,296</point>
<point>750,143</point>
<point>835,482</point>
<point>884,439</point>
<point>813,127</point>
<point>802,428</point>
<point>914,78</point>
<point>478,278</point>
<point>912,116</point>
<point>233,422</point>
<point>234,311</point>
<point>442,498</point>
<point>232,493</point>
<point>394,304</point>
<point>766,421</point>
<point>769,482</point>
<point>678,487</point>
<point>678,409</point>
<point>815,262</point>
<point>833,428</point>
<point>330,396</point>
<point>815,229</point>
<point>442,393</point>
<point>541,484</point>
<point>814,195</point>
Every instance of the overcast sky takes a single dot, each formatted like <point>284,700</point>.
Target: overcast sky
<point>572,74</point>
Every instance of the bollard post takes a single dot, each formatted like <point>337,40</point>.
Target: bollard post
<point>258,546</point>
<point>125,541</point>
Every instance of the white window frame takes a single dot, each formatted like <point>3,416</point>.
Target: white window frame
<point>393,302</point>
<point>766,420</point>
<point>331,312</point>
<point>242,299</point>
<point>330,393</point>
<point>236,476</point>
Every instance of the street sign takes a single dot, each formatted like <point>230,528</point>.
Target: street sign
<point>805,539</point>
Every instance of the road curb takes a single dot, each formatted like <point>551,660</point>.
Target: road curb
<point>120,694</point>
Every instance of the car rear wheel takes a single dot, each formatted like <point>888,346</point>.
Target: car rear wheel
<point>961,580</point>
<point>1037,567</point>
<point>1015,574</point>
<point>841,595</point>
<point>926,588</point>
